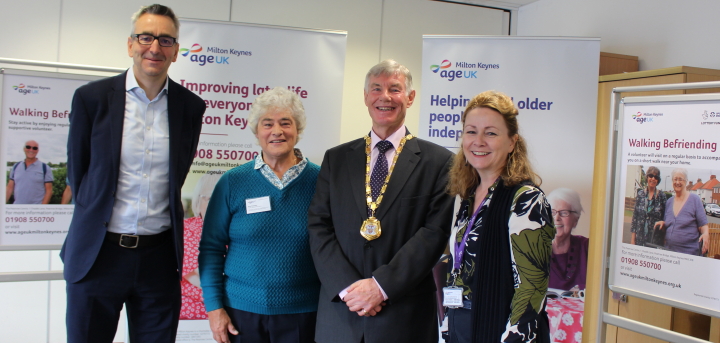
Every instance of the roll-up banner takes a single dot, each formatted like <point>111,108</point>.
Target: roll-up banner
<point>228,65</point>
<point>666,231</point>
<point>553,83</point>
<point>35,108</point>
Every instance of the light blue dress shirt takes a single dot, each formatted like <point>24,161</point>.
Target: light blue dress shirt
<point>142,200</point>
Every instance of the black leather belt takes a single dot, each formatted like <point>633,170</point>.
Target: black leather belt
<point>137,241</point>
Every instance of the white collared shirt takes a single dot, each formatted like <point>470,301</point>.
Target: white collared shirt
<point>142,199</point>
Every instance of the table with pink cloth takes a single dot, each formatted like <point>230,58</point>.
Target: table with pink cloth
<point>566,316</point>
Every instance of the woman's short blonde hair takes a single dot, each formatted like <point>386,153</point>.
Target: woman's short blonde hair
<point>464,178</point>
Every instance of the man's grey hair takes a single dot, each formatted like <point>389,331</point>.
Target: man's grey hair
<point>389,68</point>
<point>156,9</point>
<point>277,98</point>
<point>569,196</point>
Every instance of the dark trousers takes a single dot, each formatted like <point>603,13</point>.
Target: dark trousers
<point>144,279</point>
<point>278,328</point>
<point>459,325</point>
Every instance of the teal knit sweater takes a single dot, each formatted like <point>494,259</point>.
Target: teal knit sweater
<point>267,267</point>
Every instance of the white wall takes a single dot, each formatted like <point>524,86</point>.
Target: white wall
<point>95,33</point>
<point>663,33</point>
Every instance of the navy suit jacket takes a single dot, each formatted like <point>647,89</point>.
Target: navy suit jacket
<point>94,142</point>
<point>415,215</point>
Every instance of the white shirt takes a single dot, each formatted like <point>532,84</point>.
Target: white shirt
<point>142,199</point>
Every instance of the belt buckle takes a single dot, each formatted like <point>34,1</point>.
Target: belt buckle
<point>137,240</point>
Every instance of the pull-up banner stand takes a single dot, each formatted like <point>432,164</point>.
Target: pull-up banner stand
<point>675,136</point>
<point>553,83</point>
<point>228,65</point>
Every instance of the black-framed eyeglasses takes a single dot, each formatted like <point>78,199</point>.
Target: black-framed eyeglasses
<point>562,213</point>
<point>146,39</point>
<point>654,176</point>
<point>31,147</point>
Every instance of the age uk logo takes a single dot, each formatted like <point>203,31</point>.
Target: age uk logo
<point>21,88</point>
<point>444,65</point>
<point>194,49</point>
<point>202,59</point>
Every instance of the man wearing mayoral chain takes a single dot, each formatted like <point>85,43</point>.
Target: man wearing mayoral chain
<point>378,223</point>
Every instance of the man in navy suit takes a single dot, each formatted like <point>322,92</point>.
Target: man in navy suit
<point>131,143</point>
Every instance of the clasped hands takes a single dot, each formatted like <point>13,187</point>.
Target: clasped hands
<point>364,298</point>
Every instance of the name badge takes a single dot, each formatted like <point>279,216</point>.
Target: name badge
<point>453,297</point>
<point>256,205</point>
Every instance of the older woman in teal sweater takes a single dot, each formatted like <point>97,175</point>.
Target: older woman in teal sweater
<point>256,271</point>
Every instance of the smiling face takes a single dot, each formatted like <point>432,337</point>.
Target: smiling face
<point>486,142</point>
<point>277,134</point>
<point>563,225</point>
<point>387,102</point>
<point>679,183</point>
<point>652,181</point>
<point>151,62</point>
<point>31,153</point>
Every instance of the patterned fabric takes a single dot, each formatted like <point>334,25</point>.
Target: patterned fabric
<point>531,230</point>
<point>259,262</point>
<point>380,170</point>
<point>290,175</point>
<point>192,300</point>
<point>566,319</point>
<point>647,212</point>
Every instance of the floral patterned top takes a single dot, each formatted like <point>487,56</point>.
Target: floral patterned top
<point>531,231</point>
<point>647,213</point>
<point>192,306</point>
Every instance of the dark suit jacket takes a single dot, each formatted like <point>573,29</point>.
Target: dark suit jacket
<point>415,216</point>
<point>94,141</point>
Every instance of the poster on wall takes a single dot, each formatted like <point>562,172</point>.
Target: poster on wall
<point>228,65</point>
<point>553,83</point>
<point>35,108</point>
<point>667,217</point>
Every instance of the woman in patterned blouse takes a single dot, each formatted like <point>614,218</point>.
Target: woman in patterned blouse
<point>649,209</point>
<point>502,238</point>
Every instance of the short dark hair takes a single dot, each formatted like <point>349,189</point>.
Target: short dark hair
<point>156,9</point>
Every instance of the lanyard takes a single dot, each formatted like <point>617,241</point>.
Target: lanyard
<point>460,247</point>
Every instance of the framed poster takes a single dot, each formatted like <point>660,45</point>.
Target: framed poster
<point>665,240</point>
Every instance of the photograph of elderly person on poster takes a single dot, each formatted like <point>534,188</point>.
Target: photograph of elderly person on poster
<point>649,209</point>
<point>30,180</point>
<point>568,263</point>
<point>686,225</point>
<point>192,301</point>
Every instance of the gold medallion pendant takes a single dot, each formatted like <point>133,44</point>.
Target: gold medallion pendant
<point>370,229</point>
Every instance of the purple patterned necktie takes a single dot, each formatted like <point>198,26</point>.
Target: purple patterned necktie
<point>380,170</point>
